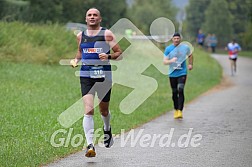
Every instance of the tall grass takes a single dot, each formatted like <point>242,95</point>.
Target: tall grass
<point>34,43</point>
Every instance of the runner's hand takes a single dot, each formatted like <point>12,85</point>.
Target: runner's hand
<point>174,59</point>
<point>190,67</point>
<point>73,63</point>
<point>103,56</point>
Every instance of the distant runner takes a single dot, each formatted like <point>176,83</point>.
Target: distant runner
<point>233,48</point>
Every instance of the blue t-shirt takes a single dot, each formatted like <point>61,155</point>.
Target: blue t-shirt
<point>201,38</point>
<point>181,51</point>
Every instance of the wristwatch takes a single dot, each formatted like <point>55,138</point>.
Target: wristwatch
<point>109,56</point>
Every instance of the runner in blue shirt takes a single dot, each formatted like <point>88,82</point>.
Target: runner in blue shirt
<point>200,38</point>
<point>175,56</point>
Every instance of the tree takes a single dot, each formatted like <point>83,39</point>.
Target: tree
<point>62,11</point>
<point>110,11</point>
<point>74,10</point>
<point>247,35</point>
<point>218,21</point>
<point>143,13</point>
<point>240,10</point>
<point>195,16</point>
<point>14,10</point>
<point>241,21</point>
<point>246,38</point>
<point>2,6</point>
<point>45,10</point>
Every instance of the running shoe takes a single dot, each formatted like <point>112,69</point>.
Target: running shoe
<point>180,115</point>
<point>108,139</point>
<point>90,152</point>
<point>175,114</point>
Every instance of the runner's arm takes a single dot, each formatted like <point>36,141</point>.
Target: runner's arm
<point>77,58</point>
<point>111,40</point>
<point>167,61</point>
<point>78,54</point>
<point>190,59</point>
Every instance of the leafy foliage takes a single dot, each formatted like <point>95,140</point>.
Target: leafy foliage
<point>221,25</point>
<point>195,15</point>
<point>226,18</point>
<point>62,11</point>
<point>11,10</point>
<point>240,10</point>
<point>143,13</point>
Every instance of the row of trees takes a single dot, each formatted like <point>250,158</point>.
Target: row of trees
<point>50,11</point>
<point>142,14</point>
<point>226,18</point>
<point>60,11</point>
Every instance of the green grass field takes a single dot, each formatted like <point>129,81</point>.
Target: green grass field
<point>34,94</point>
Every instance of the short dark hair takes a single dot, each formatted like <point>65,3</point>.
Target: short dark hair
<point>176,34</point>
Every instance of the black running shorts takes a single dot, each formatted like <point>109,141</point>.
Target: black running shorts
<point>99,85</point>
<point>234,59</point>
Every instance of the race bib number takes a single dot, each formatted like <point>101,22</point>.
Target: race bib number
<point>177,66</point>
<point>97,72</point>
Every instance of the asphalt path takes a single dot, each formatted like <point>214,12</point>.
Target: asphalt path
<point>215,131</point>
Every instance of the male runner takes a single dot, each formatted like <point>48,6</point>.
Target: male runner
<point>94,46</point>
<point>233,48</point>
<point>175,56</point>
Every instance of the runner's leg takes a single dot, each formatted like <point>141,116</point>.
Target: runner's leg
<point>88,121</point>
<point>235,65</point>
<point>104,92</point>
<point>181,97</point>
<point>232,66</point>
<point>174,86</point>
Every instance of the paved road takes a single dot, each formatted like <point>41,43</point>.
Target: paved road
<point>222,117</point>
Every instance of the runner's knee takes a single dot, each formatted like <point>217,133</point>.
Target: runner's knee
<point>104,108</point>
<point>181,87</point>
<point>174,90</point>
